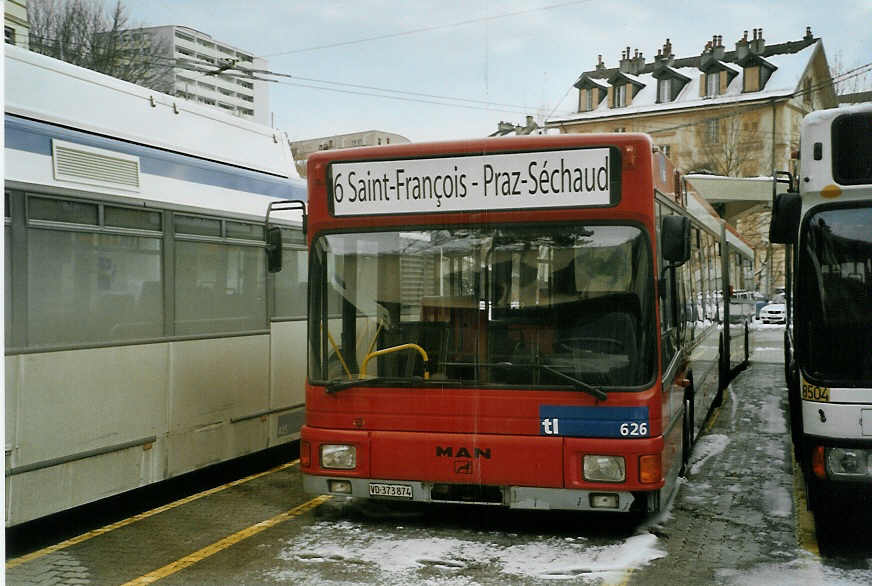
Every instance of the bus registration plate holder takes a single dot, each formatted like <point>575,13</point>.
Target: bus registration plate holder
<point>391,490</point>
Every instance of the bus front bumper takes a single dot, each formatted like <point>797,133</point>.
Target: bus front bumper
<point>515,497</point>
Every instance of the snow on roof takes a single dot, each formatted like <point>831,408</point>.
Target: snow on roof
<point>596,81</point>
<point>633,78</point>
<point>731,66</point>
<point>783,82</point>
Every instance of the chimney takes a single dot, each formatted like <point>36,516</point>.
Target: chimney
<point>757,44</point>
<point>638,65</point>
<point>718,47</point>
<point>624,65</point>
<point>808,36</point>
<point>664,57</point>
<point>600,66</point>
<point>742,50</point>
<point>707,55</point>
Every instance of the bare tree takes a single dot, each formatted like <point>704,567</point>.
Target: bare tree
<point>730,143</point>
<point>85,33</point>
<point>846,82</point>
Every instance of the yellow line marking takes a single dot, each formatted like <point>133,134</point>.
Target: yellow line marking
<point>223,544</point>
<point>130,520</point>
<point>713,418</point>
<point>806,535</point>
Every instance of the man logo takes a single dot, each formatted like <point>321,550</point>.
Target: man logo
<point>461,452</point>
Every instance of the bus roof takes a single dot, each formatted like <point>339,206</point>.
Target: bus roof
<point>46,89</point>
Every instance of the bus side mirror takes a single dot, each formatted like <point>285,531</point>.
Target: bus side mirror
<point>274,249</point>
<point>675,239</point>
<point>785,218</point>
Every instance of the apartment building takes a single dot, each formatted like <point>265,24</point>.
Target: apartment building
<point>196,54</point>
<point>718,113</point>
<point>301,149</point>
<point>16,29</point>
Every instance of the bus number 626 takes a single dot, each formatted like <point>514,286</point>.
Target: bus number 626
<point>634,429</point>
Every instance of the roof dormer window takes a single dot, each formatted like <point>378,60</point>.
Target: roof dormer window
<point>623,89</point>
<point>591,93</point>
<point>664,90</point>
<point>712,84</point>
<point>621,96</point>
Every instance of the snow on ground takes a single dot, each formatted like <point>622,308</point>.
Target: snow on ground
<point>804,570</point>
<point>773,416</point>
<point>706,447</point>
<point>396,556</point>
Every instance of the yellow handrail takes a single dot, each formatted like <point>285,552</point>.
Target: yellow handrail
<point>339,355</point>
<point>393,349</point>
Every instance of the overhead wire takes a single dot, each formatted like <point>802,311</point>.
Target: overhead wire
<point>428,28</point>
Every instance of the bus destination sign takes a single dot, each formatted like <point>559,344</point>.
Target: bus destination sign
<point>508,181</point>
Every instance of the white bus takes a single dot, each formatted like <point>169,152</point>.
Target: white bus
<point>828,340</point>
<point>144,337</point>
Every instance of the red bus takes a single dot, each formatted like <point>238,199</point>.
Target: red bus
<point>507,322</point>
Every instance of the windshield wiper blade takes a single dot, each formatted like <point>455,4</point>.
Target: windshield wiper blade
<point>351,382</point>
<point>597,392</point>
<point>341,385</point>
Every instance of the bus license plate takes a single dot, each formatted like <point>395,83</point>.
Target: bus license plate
<point>395,490</point>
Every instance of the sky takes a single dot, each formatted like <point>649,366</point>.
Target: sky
<point>456,68</point>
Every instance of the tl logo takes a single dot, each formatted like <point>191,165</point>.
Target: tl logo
<point>550,426</point>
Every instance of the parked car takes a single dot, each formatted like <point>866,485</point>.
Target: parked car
<point>774,313</point>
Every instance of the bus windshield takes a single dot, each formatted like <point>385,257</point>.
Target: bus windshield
<point>507,305</point>
<point>835,295</point>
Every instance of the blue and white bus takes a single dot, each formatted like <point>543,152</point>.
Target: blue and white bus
<point>144,337</point>
<point>828,340</point>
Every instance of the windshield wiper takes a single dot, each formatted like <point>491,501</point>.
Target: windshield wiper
<point>341,385</point>
<point>597,392</point>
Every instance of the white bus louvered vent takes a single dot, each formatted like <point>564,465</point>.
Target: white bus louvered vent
<point>83,164</point>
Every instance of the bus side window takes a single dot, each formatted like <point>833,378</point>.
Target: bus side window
<point>668,331</point>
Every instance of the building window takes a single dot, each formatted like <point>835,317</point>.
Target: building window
<point>9,33</point>
<point>664,90</point>
<point>589,101</point>
<point>621,97</point>
<point>712,84</point>
<point>664,148</point>
<point>712,131</point>
<point>621,129</point>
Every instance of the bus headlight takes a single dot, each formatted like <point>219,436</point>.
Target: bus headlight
<point>338,456</point>
<point>849,464</point>
<point>604,468</point>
